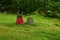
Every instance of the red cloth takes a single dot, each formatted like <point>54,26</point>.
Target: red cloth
<point>19,21</point>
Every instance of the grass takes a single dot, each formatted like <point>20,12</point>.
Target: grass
<point>45,28</point>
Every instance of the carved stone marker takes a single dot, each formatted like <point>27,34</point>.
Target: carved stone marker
<point>19,19</point>
<point>30,21</point>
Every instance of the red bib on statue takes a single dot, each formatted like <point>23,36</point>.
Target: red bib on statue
<point>19,21</point>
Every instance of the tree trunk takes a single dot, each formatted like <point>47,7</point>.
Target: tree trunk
<point>12,9</point>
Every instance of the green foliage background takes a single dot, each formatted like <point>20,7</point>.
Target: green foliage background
<point>49,8</point>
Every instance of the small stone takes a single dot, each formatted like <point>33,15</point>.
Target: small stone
<point>30,20</point>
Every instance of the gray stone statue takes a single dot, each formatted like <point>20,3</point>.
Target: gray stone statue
<point>30,20</point>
